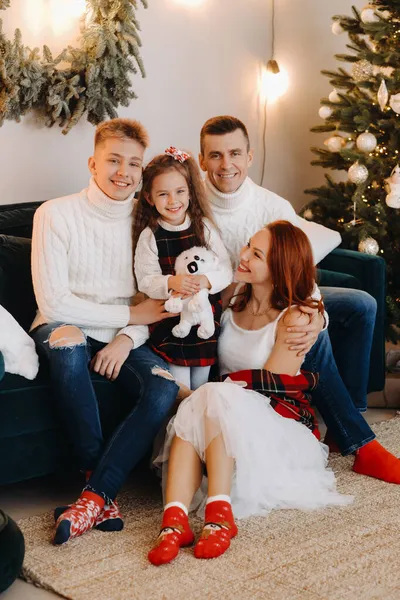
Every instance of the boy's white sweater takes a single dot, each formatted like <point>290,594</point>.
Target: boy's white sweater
<point>82,264</point>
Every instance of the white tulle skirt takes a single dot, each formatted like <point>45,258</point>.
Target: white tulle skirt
<point>279,463</point>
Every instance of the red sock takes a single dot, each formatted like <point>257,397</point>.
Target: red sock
<point>78,518</point>
<point>175,533</point>
<point>331,443</point>
<point>374,460</point>
<point>218,530</point>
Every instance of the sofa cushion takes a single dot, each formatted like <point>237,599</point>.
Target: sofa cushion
<point>17,219</point>
<point>16,290</point>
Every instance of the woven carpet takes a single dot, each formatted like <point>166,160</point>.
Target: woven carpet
<point>333,554</point>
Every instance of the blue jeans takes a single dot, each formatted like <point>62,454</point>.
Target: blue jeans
<point>341,393</point>
<point>151,398</point>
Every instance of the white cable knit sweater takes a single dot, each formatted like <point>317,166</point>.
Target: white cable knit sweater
<point>82,264</point>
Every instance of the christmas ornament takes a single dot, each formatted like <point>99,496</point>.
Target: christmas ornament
<point>308,214</point>
<point>383,95</point>
<point>337,29</point>
<point>375,185</point>
<point>371,14</point>
<point>393,182</point>
<point>335,143</point>
<point>362,70</point>
<point>366,142</point>
<point>368,246</point>
<point>394,103</point>
<point>358,173</point>
<point>334,96</point>
<point>325,112</point>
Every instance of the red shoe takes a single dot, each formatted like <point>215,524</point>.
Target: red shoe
<point>175,533</point>
<point>218,530</point>
<point>78,518</point>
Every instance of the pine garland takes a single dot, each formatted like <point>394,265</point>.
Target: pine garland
<point>96,79</point>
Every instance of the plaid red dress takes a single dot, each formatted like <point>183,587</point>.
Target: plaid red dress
<point>290,396</point>
<point>190,351</point>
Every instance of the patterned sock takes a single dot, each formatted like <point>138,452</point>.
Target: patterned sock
<point>175,533</point>
<point>331,443</point>
<point>78,518</point>
<point>110,518</point>
<point>219,528</point>
<point>374,460</point>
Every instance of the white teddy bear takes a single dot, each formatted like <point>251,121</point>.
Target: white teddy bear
<point>196,310</point>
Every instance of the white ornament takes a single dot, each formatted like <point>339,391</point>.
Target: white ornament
<point>368,246</point>
<point>335,143</point>
<point>308,214</point>
<point>383,95</point>
<point>393,183</point>
<point>368,15</point>
<point>337,29</point>
<point>325,112</point>
<point>366,142</point>
<point>334,96</point>
<point>394,103</point>
<point>358,173</point>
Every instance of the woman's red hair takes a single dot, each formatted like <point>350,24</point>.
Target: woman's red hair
<point>291,266</point>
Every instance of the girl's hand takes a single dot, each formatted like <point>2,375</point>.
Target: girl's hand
<point>203,282</point>
<point>148,312</point>
<point>108,361</point>
<point>184,284</point>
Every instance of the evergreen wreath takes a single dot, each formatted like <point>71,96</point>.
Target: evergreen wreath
<point>92,79</point>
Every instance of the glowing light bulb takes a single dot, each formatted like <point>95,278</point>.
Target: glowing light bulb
<point>274,82</point>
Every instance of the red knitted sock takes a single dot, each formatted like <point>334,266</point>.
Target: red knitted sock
<point>218,530</point>
<point>175,533</point>
<point>78,518</point>
<point>374,460</point>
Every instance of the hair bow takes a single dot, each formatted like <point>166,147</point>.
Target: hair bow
<point>177,154</point>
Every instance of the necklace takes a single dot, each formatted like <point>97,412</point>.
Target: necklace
<point>259,313</point>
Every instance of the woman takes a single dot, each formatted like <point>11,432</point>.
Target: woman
<point>256,460</point>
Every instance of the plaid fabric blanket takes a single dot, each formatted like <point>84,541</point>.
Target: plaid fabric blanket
<point>289,396</point>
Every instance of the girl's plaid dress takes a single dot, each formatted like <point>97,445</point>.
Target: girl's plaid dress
<point>190,351</point>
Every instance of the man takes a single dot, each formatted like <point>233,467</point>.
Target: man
<point>241,208</point>
<point>84,284</point>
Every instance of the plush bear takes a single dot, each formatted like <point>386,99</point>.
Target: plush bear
<point>197,309</point>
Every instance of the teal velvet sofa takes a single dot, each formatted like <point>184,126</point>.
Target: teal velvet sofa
<point>32,443</point>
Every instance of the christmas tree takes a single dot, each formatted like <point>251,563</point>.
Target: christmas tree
<point>362,116</point>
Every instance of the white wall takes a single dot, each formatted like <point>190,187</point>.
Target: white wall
<point>304,46</point>
<point>200,61</point>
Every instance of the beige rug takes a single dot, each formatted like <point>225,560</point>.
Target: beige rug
<point>335,554</point>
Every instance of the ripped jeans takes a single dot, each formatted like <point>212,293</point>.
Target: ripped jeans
<point>151,396</point>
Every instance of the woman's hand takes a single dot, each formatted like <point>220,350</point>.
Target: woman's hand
<point>303,337</point>
<point>147,312</point>
<point>108,361</point>
<point>184,284</point>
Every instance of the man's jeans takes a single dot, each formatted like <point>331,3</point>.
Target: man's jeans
<point>342,361</point>
<point>151,397</point>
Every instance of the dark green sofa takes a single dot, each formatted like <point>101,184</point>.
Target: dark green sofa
<point>31,441</point>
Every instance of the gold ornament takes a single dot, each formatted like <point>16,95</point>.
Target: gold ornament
<point>368,246</point>
<point>362,70</point>
<point>383,95</point>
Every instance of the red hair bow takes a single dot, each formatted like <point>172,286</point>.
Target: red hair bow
<point>179,155</point>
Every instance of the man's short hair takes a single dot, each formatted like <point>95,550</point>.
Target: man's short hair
<point>221,126</point>
<point>123,129</point>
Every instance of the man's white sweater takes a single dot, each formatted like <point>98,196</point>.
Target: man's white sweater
<point>240,214</point>
<point>82,264</point>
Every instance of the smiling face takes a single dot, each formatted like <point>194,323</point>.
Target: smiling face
<point>226,159</point>
<point>170,196</point>
<point>117,166</point>
<point>253,267</point>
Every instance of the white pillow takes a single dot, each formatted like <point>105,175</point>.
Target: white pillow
<point>17,347</point>
<point>323,240</point>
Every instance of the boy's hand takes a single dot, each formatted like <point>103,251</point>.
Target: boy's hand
<point>148,312</point>
<point>302,338</point>
<point>184,284</point>
<point>202,281</point>
<point>109,360</point>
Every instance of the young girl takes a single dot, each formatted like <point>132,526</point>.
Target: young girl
<point>172,216</point>
<point>261,444</point>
